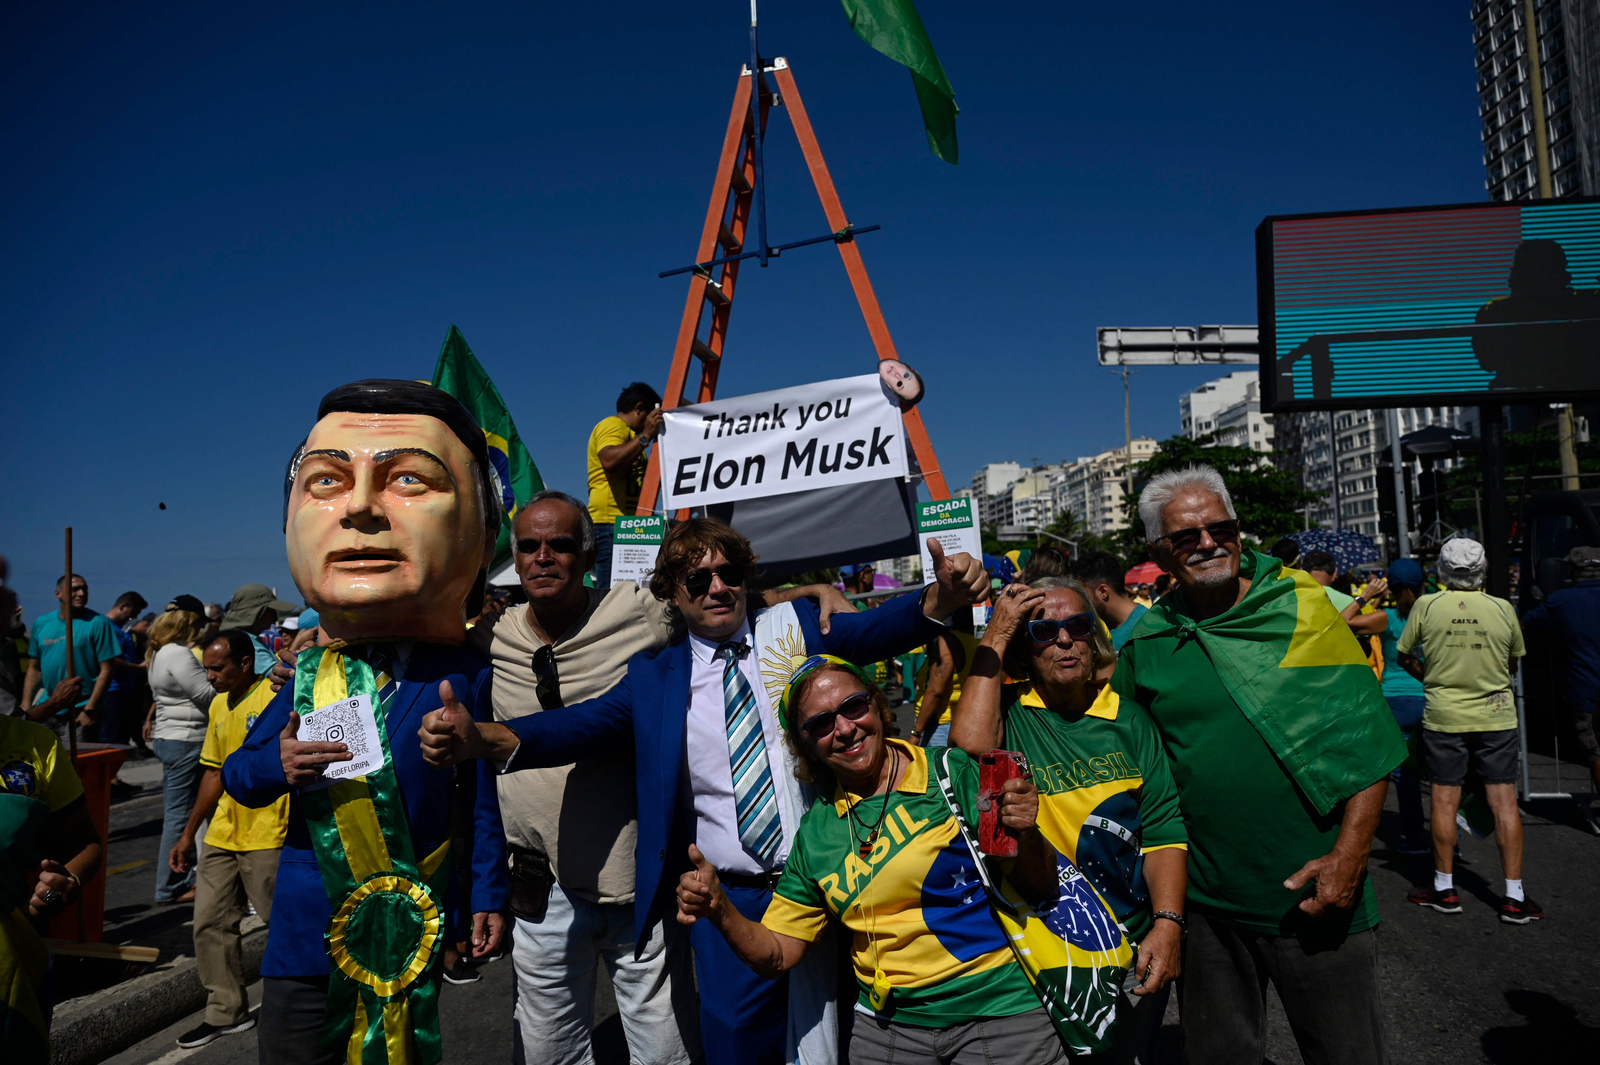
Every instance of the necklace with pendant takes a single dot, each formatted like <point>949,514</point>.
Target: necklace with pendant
<point>872,836</point>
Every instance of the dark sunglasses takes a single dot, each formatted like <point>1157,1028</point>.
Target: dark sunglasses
<point>854,708</point>
<point>1078,626</point>
<point>561,545</point>
<point>547,682</point>
<point>1221,532</point>
<point>698,581</point>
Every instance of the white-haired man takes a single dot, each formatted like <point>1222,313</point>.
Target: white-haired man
<point>1463,644</point>
<point>1281,745</point>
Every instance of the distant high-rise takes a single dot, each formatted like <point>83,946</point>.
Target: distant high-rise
<point>1568,60</point>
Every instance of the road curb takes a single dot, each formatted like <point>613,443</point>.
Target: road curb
<point>97,1026</point>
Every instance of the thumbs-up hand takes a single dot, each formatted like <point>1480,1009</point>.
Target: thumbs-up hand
<point>303,760</point>
<point>700,892</point>
<point>449,734</point>
<point>959,580</point>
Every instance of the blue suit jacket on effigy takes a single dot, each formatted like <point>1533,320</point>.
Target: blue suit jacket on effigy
<point>649,710</point>
<point>253,775</point>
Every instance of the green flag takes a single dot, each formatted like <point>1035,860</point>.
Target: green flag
<point>510,466</point>
<point>894,28</point>
<point>1291,664</point>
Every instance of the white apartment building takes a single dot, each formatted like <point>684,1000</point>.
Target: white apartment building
<point>1243,424</point>
<point>1028,502</point>
<point>989,486</point>
<point>1092,488</point>
<point>1198,410</point>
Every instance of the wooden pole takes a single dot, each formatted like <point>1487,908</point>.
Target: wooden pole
<point>66,620</point>
<point>72,711</point>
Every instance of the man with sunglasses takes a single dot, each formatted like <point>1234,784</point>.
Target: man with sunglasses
<point>695,714</point>
<point>571,830</point>
<point>1281,746</point>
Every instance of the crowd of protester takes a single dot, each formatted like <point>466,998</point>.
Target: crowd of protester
<point>700,786</point>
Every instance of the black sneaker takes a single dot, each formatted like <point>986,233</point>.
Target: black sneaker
<point>205,1033</point>
<point>1446,901</point>
<point>1515,911</point>
<point>462,973</point>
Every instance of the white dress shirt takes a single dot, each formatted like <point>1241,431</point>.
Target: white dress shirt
<point>708,773</point>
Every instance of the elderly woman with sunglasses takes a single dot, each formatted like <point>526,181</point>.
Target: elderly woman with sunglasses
<point>883,855</point>
<point>1107,798</point>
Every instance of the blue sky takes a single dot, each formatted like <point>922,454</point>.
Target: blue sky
<point>214,214</point>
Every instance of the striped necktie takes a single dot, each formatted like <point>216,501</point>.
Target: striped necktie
<point>755,801</point>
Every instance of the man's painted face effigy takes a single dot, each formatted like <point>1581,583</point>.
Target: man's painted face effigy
<point>385,527</point>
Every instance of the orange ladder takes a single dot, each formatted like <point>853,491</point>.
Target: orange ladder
<point>721,252</point>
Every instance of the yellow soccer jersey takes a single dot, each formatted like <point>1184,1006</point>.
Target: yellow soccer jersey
<point>1106,794</point>
<point>915,905</point>
<point>235,827</point>
<point>33,764</point>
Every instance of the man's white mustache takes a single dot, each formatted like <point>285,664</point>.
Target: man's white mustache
<point>1206,556</point>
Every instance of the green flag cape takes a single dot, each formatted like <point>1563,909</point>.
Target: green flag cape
<point>894,28</point>
<point>511,467</point>
<point>1290,662</point>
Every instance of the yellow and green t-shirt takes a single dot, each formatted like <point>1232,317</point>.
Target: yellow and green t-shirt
<point>36,780</point>
<point>915,904</point>
<point>617,492</point>
<point>33,764</point>
<point>1106,796</point>
<point>235,827</point>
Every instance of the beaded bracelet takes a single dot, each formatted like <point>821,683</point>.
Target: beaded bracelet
<point>1183,926</point>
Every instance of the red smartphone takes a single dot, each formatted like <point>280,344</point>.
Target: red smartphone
<point>994,769</point>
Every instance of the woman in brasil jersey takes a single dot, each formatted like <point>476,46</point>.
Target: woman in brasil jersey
<point>1107,799</point>
<point>881,852</point>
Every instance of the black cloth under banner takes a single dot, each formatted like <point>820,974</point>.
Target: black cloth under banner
<point>804,531</point>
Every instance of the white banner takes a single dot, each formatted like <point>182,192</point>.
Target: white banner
<point>789,440</point>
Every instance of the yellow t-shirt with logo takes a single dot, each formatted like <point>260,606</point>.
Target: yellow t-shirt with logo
<point>1467,640</point>
<point>617,492</point>
<point>235,827</point>
<point>32,763</point>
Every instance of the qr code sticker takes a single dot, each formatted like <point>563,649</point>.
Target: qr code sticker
<point>340,723</point>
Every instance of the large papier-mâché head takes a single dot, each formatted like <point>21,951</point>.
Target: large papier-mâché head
<point>389,513</point>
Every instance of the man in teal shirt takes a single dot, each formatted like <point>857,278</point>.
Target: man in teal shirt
<point>1102,574</point>
<point>94,646</point>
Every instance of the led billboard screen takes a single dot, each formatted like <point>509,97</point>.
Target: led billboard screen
<point>1460,304</point>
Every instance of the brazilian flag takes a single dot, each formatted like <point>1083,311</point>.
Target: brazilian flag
<point>1290,663</point>
<point>512,470</point>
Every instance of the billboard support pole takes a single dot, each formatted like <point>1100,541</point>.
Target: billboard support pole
<point>1402,508</point>
<point>1333,458</point>
<point>1496,531</point>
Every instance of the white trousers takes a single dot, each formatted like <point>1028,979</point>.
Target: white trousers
<point>556,961</point>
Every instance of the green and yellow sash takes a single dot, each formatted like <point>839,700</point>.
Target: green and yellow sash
<point>385,935</point>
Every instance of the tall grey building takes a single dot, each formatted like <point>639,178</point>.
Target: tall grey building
<point>1313,444</point>
<point>1569,67</point>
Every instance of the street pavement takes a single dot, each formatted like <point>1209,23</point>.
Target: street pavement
<point>1462,988</point>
